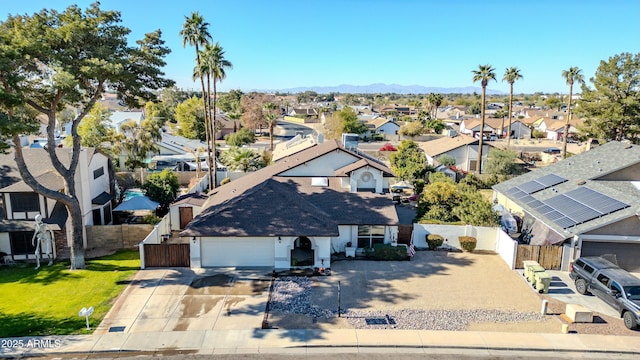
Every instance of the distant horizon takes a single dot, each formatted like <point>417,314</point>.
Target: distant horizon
<point>288,44</point>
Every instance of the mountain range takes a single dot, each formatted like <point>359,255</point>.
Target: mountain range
<point>380,88</point>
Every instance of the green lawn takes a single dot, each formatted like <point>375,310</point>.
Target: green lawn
<point>47,301</point>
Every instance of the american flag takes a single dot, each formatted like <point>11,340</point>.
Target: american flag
<point>412,249</point>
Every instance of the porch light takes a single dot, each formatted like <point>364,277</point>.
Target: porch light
<point>279,239</point>
<point>193,239</point>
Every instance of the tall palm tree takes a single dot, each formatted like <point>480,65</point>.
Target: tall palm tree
<point>216,64</point>
<point>195,32</point>
<point>270,117</point>
<point>572,75</point>
<point>510,75</point>
<point>483,74</point>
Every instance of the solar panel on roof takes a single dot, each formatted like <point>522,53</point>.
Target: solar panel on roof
<point>544,209</point>
<point>565,222</point>
<point>595,200</point>
<point>531,187</point>
<point>554,215</point>
<point>550,180</point>
<point>536,204</point>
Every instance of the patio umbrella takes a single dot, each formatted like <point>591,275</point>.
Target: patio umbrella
<point>137,203</point>
<point>402,185</point>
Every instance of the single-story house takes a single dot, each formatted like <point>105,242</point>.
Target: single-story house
<point>296,212</point>
<point>463,148</point>
<point>588,203</point>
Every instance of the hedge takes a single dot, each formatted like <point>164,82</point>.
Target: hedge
<point>388,252</point>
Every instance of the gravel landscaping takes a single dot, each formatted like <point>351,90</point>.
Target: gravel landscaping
<point>434,291</point>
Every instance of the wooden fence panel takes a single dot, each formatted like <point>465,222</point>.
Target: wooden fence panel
<point>548,256</point>
<point>167,255</point>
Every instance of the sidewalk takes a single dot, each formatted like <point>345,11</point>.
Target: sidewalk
<point>317,341</point>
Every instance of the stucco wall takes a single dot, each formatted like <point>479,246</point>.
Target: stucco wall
<point>627,227</point>
<point>486,236</point>
<point>116,236</point>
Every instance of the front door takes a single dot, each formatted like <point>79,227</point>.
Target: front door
<point>302,253</point>
<point>186,215</point>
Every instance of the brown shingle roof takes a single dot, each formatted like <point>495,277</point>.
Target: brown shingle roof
<point>446,144</point>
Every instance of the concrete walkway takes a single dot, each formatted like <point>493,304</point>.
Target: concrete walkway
<point>207,342</point>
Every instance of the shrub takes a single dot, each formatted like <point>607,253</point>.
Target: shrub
<point>151,219</point>
<point>468,243</point>
<point>225,180</point>
<point>388,252</point>
<point>434,241</point>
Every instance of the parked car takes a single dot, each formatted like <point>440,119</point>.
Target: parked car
<point>552,151</point>
<point>493,137</point>
<point>611,284</point>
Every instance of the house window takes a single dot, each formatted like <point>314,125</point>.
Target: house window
<point>97,217</point>
<point>21,243</point>
<point>369,235</point>
<point>25,202</point>
<point>98,172</point>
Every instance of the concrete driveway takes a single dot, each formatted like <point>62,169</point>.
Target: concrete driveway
<point>563,288</point>
<point>184,299</point>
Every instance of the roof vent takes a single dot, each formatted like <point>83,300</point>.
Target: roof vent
<point>581,182</point>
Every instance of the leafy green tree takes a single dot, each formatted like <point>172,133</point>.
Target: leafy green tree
<point>553,102</point>
<point>241,137</point>
<point>94,130</point>
<point>475,108</point>
<point>501,162</point>
<point>474,209</point>
<point>230,102</point>
<point>350,122</point>
<point>157,112</point>
<point>162,187</point>
<point>190,116</point>
<point>52,60</point>
<point>436,126</point>
<point>611,109</point>
<point>242,159</point>
<point>484,74</point>
<point>447,160</point>
<point>138,141</point>
<point>413,128</point>
<point>409,162</point>
<point>572,75</point>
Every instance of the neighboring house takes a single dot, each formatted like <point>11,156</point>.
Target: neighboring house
<point>588,202</point>
<point>296,212</point>
<point>471,127</point>
<point>304,112</point>
<point>296,144</point>
<point>117,118</point>
<point>463,148</point>
<point>447,170</point>
<point>21,204</point>
<point>554,128</point>
<point>397,109</point>
<point>382,126</point>
<point>225,126</point>
<point>176,145</point>
<point>519,130</point>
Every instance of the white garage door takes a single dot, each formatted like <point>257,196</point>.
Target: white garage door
<point>237,252</point>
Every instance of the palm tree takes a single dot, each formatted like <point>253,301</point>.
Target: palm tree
<point>242,159</point>
<point>195,31</point>
<point>216,66</point>
<point>270,116</point>
<point>483,74</point>
<point>435,100</point>
<point>572,75</point>
<point>510,75</point>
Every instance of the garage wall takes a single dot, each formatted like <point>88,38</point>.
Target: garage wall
<point>626,254</point>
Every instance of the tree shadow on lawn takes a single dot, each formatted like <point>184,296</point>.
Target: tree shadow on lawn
<point>31,324</point>
<point>25,273</point>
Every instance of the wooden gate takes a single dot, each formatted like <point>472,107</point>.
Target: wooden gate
<point>548,256</point>
<point>404,234</point>
<point>166,255</point>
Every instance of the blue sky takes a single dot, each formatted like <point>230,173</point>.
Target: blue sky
<point>281,44</point>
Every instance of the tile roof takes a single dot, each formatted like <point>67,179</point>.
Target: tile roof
<point>608,169</point>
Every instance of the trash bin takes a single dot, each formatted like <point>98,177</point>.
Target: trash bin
<point>542,281</point>
<point>526,265</point>
<point>532,271</point>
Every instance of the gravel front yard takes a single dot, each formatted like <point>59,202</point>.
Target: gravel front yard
<point>434,291</point>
